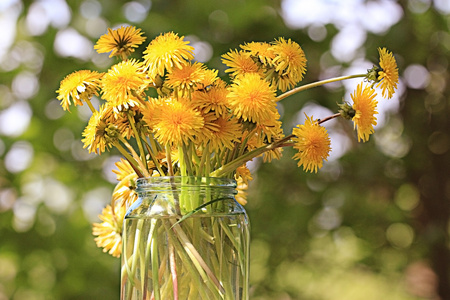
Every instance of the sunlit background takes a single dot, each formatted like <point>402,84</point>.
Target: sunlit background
<point>372,224</point>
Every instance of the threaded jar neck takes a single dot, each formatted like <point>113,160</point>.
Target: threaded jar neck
<point>174,183</point>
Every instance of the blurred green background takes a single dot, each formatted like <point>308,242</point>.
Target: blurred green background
<point>372,224</point>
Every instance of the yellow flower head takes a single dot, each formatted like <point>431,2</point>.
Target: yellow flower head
<point>239,63</point>
<point>176,122</point>
<point>184,80</point>
<point>209,79</point>
<point>260,50</point>
<point>151,110</point>
<point>313,145</point>
<point>289,59</point>
<point>283,82</point>
<point>121,81</point>
<point>223,133</point>
<point>126,120</point>
<point>242,177</point>
<point>241,188</point>
<point>100,131</point>
<point>266,131</point>
<point>78,86</point>
<point>258,140</point>
<point>252,98</point>
<point>212,100</point>
<point>124,170</point>
<point>125,191</point>
<point>365,105</point>
<point>244,174</point>
<point>270,128</point>
<point>109,232</point>
<point>388,76</point>
<point>120,42</point>
<point>166,52</point>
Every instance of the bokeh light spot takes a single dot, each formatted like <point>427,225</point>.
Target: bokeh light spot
<point>25,85</point>
<point>400,235</point>
<point>90,9</point>
<point>15,119</point>
<point>416,76</point>
<point>407,197</point>
<point>19,157</point>
<point>69,42</point>
<point>439,142</point>
<point>135,11</point>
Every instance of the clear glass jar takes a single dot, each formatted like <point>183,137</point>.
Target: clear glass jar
<point>185,238</point>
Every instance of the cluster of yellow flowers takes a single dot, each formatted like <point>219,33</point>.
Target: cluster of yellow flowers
<point>185,120</point>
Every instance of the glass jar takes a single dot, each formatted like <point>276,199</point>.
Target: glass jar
<point>185,238</point>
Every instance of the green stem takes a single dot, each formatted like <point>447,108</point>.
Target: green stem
<point>195,257</point>
<point>187,160</point>
<point>320,121</point>
<point>136,164</point>
<point>201,168</point>
<point>240,160</point>
<point>232,165</point>
<point>173,271</point>
<point>91,107</point>
<point>195,157</point>
<point>316,84</point>
<point>187,263</point>
<point>138,139</point>
<point>244,143</point>
<point>153,157</point>
<point>155,264</point>
<point>169,160</point>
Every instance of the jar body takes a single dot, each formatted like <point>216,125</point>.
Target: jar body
<point>185,238</point>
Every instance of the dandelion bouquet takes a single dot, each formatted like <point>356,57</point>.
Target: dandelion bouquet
<point>169,115</point>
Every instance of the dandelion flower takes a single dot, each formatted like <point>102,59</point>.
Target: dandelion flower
<point>269,128</point>
<point>242,177</point>
<point>244,173</point>
<point>121,81</point>
<point>258,140</point>
<point>78,86</point>
<point>289,59</point>
<point>125,191</point>
<point>239,62</point>
<point>364,105</point>
<point>151,110</point>
<point>120,42</point>
<point>283,82</point>
<point>313,145</point>
<point>166,52</point>
<point>176,123</point>
<point>109,232</point>
<point>209,79</point>
<point>226,132</point>
<point>212,100</point>
<point>100,130</point>
<point>185,79</point>
<point>252,98</point>
<point>260,50</point>
<point>388,76</point>
<point>241,189</point>
<point>124,169</point>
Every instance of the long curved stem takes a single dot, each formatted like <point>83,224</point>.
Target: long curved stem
<point>336,115</point>
<point>232,165</point>
<point>91,107</point>
<point>136,164</point>
<point>316,84</point>
<point>137,137</point>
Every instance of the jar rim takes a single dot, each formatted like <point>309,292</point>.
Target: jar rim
<point>186,181</point>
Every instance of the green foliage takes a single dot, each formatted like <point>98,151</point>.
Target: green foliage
<point>365,227</point>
